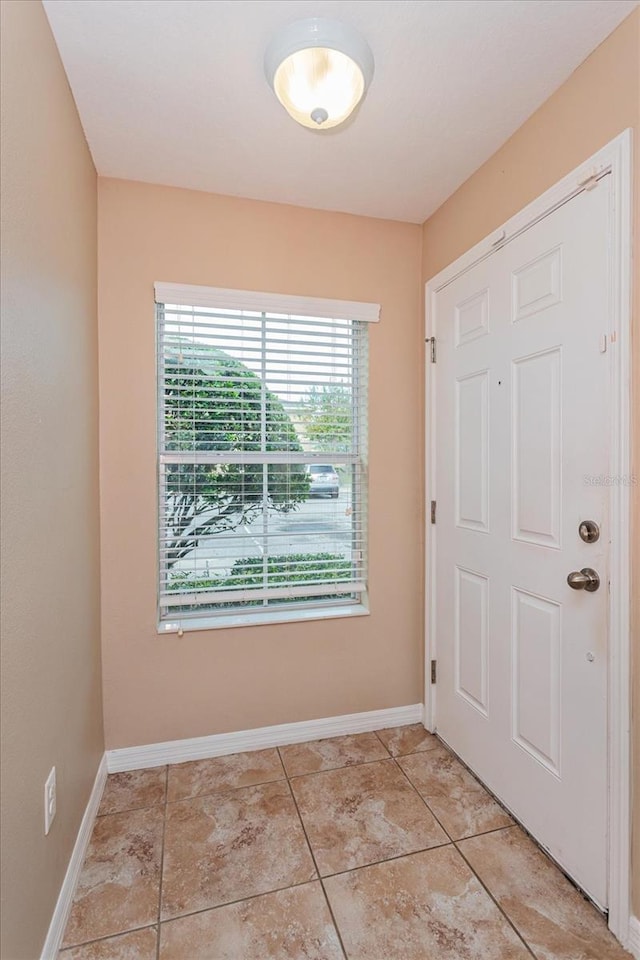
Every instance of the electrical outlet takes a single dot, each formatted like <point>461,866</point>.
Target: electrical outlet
<point>49,800</point>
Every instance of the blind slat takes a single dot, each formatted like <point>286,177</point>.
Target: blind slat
<point>254,456</point>
<point>274,593</point>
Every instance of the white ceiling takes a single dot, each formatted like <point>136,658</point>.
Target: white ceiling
<point>173,92</point>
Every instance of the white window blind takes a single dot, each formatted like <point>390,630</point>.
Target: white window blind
<point>262,430</point>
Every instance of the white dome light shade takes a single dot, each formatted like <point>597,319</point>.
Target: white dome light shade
<point>319,70</point>
<point>319,87</point>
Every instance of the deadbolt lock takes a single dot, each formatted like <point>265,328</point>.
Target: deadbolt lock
<point>589,531</point>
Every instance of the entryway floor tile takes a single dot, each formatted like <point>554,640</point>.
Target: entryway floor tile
<point>428,905</point>
<point>229,846</point>
<point>343,853</point>
<point>301,758</point>
<point>139,945</point>
<point>552,916</point>
<point>134,790</point>
<point>119,886</point>
<point>219,774</point>
<point>459,801</point>
<point>357,815</point>
<point>292,924</point>
<point>413,738</point>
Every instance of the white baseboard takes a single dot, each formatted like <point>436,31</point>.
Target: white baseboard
<point>219,744</point>
<point>68,889</point>
<point>634,937</point>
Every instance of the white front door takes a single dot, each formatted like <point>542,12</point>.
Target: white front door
<point>522,401</point>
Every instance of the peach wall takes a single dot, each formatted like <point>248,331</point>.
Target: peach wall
<point>599,101</point>
<point>164,687</point>
<point>51,690</point>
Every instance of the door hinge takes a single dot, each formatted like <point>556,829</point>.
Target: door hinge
<point>432,348</point>
<point>433,671</point>
<point>433,511</point>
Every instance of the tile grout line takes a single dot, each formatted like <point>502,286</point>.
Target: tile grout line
<point>233,903</point>
<point>406,756</point>
<point>333,918</point>
<point>488,892</point>
<point>413,786</point>
<point>114,813</point>
<point>486,833</point>
<point>481,833</point>
<point>412,753</point>
<point>304,829</point>
<point>344,766</point>
<point>164,832</point>
<point>108,936</point>
<point>382,742</point>
<point>322,887</point>
<point>225,791</point>
<point>377,863</point>
<point>475,777</point>
<point>473,872</point>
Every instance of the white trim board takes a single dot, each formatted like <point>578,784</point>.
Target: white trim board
<point>218,298</point>
<point>68,888</point>
<point>220,744</point>
<point>613,159</point>
<point>634,937</point>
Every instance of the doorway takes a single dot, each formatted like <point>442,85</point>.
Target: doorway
<point>528,556</point>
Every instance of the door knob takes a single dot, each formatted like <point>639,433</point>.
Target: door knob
<point>585,579</point>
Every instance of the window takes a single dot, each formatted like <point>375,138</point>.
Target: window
<point>262,439</point>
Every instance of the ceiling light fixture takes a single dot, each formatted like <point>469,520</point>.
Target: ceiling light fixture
<point>319,70</point>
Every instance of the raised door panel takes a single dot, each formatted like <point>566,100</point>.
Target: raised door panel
<point>536,448</point>
<point>472,451</point>
<point>536,285</point>
<point>536,691</point>
<point>471,637</point>
<point>472,318</point>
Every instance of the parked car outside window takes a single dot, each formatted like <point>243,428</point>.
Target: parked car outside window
<point>323,480</point>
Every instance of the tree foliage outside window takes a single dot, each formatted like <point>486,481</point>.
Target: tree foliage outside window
<point>293,568</point>
<point>327,416</point>
<point>215,403</point>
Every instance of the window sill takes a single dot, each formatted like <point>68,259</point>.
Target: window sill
<point>260,618</point>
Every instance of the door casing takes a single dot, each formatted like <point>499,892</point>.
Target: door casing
<point>614,159</point>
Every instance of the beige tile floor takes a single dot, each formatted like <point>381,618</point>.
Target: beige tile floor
<point>370,847</point>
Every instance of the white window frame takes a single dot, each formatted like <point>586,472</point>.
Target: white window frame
<point>228,299</point>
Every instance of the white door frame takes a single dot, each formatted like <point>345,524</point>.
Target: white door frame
<point>614,159</point>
